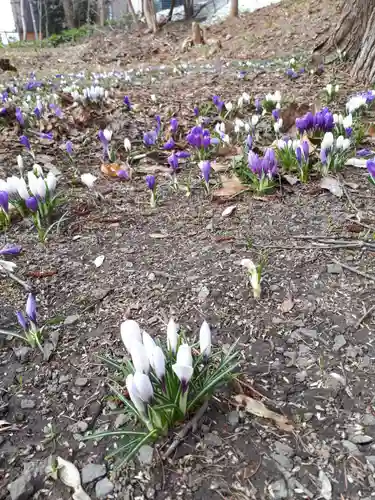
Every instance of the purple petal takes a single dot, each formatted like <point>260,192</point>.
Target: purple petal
<point>31,308</point>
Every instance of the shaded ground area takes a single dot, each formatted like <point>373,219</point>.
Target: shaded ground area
<point>304,345</point>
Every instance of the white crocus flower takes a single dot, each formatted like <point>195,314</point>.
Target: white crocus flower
<point>143,386</point>
<point>41,187</point>
<point>134,396</point>
<point>347,122</point>
<point>337,88</point>
<point>130,332</point>
<point>294,144</point>
<point>355,103</point>
<point>12,183</point>
<point>127,144</point>
<point>255,277</point>
<point>139,357</point>
<point>183,372</point>
<point>4,186</point>
<point>37,170</point>
<point>329,89</point>
<point>339,142</point>
<point>292,61</point>
<point>205,339</point>
<point>6,266</point>
<point>22,189</point>
<point>51,182</point>
<point>33,183</point>
<point>149,345</point>
<point>277,125</point>
<point>226,139</point>
<point>153,97</point>
<point>254,120</point>
<point>338,119</point>
<point>88,180</point>
<point>184,356</point>
<point>327,141</point>
<point>281,144</point>
<point>172,335</point>
<point>158,362</point>
<point>20,164</point>
<point>278,105</point>
<point>107,134</point>
<point>228,106</point>
<point>346,144</point>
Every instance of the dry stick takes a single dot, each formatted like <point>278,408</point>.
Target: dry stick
<point>189,425</point>
<point>367,313</point>
<point>354,270</point>
<point>18,280</point>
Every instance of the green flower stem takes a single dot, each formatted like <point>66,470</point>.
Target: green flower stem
<point>183,401</point>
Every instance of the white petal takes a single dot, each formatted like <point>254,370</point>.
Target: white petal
<point>22,189</point>
<point>184,373</point>
<point>172,335</point>
<point>41,187</point>
<point>134,396</point>
<point>184,356</point>
<point>205,339</point>
<point>158,362</point>
<point>149,345</point>
<point>139,357</point>
<point>99,260</point>
<point>248,263</point>
<point>68,473</point>
<point>51,182</point>
<point>130,332</point>
<point>144,387</point>
<point>9,267</point>
<point>88,180</point>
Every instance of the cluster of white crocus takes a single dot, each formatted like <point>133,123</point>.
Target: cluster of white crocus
<point>332,90</point>
<point>220,129</point>
<point>275,98</point>
<point>228,106</point>
<point>95,93</point>
<point>290,144</point>
<point>37,185</point>
<point>356,102</point>
<point>243,99</point>
<point>340,144</point>
<point>255,273</point>
<point>278,125</point>
<point>338,119</point>
<point>147,356</point>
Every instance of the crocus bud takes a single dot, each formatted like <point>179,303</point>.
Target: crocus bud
<point>347,122</point>
<point>22,189</point>
<point>51,182</point>
<point>32,204</point>
<point>339,142</point>
<point>228,106</point>
<point>20,163</point>
<point>135,398</point>
<point>184,356</point>
<point>172,336</point>
<point>149,345</point>
<point>327,141</point>
<point>205,339</point>
<point>139,357</point>
<point>31,308</point>
<point>21,320</point>
<point>184,373</point>
<point>127,144</point>
<point>254,120</point>
<point>130,333</point>
<point>346,144</point>
<point>33,183</point>
<point>255,276</point>
<point>329,89</point>
<point>158,362</point>
<point>107,134</point>
<point>144,387</point>
<point>41,187</point>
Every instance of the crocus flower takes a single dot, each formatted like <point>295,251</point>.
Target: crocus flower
<point>299,155</point>
<point>127,144</point>
<point>15,250</point>
<point>139,357</point>
<point>32,204</point>
<point>218,103</point>
<point>48,135</point>
<point>370,164</point>
<point>183,154</point>
<point>69,147</point>
<point>6,266</point>
<point>143,387</point>
<point>21,320</point>
<point>158,123</point>
<point>174,125</point>
<point>205,167</point>
<point>133,394</point>
<point>172,336</point>
<point>19,117</point>
<point>249,141</point>
<point>183,368</point>
<point>323,156</point>
<point>305,149</point>
<point>158,362</point>
<point>38,112</point>
<point>258,106</point>
<point>127,102</point>
<point>150,138</point>
<point>170,144</point>
<point>151,182</point>
<point>205,339</point>
<point>277,125</point>
<point>123,174</point>
<point>51,182</point>
<point>88,180</point>
<point>24,140</point>
<point>4,201</point>
<point>130,332</point>
<point>276,114</point>
<point>364,152</point>
<point>173,161</point>
<point>327,141</point>
<point>149,345</point>
<point>196,111</point>
<point>31,308</point>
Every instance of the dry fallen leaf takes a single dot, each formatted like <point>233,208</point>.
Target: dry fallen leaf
<point>356,162</point>
<point>291,179</point>
<point>70,476</point>
<point>229,210</point>
<point>332,185</point>
<point>230,187</point>
<point>326,488</point>
<point>219,167</point>
<point>287,305</point>
<point>99,260</point>
<point>110,169</point>
<point>258,409</point>
<point>152,169</point>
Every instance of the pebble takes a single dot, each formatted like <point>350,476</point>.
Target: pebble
<point>283,448</point>
<point>64,378</point>
<point>121,419</point>
<point>81,381</point>
<point>233,418</point>
<point>151,277</point>
<point>351,447</point>
<point>22,353</point>
<point>368,419</point>
<point>103,488</point>
<point>334,269</point>
<point>339,342</point>
<point>213,439</point>
<point>145,454</point>
<point>91,472</point>
<point>278,490</point>
<point>283,460</point>
<point>361,439</point>
<point>80,426</point>
<point>20,489</point>
<point>203,293</point>
<point>71,320</point>
<point>371,459</point>
<point>27,404</point>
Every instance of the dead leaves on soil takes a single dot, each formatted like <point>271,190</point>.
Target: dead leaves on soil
<point>332,185</point>
<point>258,409</point>
<point>230,187</point>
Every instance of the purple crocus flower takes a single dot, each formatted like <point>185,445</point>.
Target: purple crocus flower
<point>4,201</point>
<point>301,125</point>
<point>69,147</point>
<point>242,74</point>
<point>32,204</point>
<point>15,250</point>
<point>174,125</point>
<point>56,109</point>
<point>24,140</point>
<point>170,144</point>
<point>19,117</point>
<point>349,131</point>
<point>127,102</point>
<point>299,155</point>
<point>3,111</point>
<point>258,106</point>
<point>182,154</point>
<point>196,111</point>
<point>21,320</point>
<point>123,174</point>
<point>364,152</point>
<point>370,164</point>
<point>150,138</point>
<point>31,308</point>
<point>38,112</point>
<point>48,135</point>
<point>150,181</point>
<point>323,156</point>
<point>305,149</point>
<point>249,141</point>
<point>158,123</point>
<point>218,103</point>
<point>206,141</point>
<point>270,159</point>
<point>173,161</point>
<point>290,72</point>
<point>205,167</point>
<point>275,114</point>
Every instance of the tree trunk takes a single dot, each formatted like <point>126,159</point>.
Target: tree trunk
<point>150,15</point>
<point>69,13</point>
<point>132,11</point>
<point>23,21</point>
<point>196,34</point>
<point>101,13</point>
<point>233,8</point>
<point>173,3</point>
<point>31,6</point>
<point>189,8</point>
<point>88,12</point>
<point>46,25</point>
<point>354,37</point>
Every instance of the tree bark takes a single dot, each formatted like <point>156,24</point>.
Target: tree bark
<point>354,37</point>
<point>132,11</point>
<point>31,6</point>
<point>233,8</point>
<point>173,3</point>
<point>189,8</point>
<point>69,13</point>
<point>23,21</point>
<point>150,15</point>
<point>101,12</point>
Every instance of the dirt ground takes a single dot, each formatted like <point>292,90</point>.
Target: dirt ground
<point>307,347</point>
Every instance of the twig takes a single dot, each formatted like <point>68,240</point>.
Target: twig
<point>367,313</point>
<point>18,280</point>
<point>354,270</point>
<point>192,424</point>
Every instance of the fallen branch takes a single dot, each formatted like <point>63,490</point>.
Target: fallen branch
<point>192,424</point>
<point>354,270</point>
<point>367,313</point>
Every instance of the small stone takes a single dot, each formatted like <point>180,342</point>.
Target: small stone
<point>150,493</point>
<point>283,448</point>
<point>22,353</point>
<point>339,342</point>
<point>121,420</point>
<point>351,447</point>
<point>152,277</point>
<point>361,439</point>
<point>20,489</point>
<point>27,404</point>
<point>19,417</point>
<point>145,454</point>
<point>64,378</point>
<point>334,269</point>
<point>212,439</point>
<point>71,320</point>
<point>283,461</point>
<point>80,426</point>
<point>301,376</point>
<point>368,419</point>
<point>312,334</point>
<point>103,488</point>
<point>203,293</point>
<point>91,472</point>
<point>371,460</point>
<point>81,381</point>
<point>278,490</point>
<point>233,418</point>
